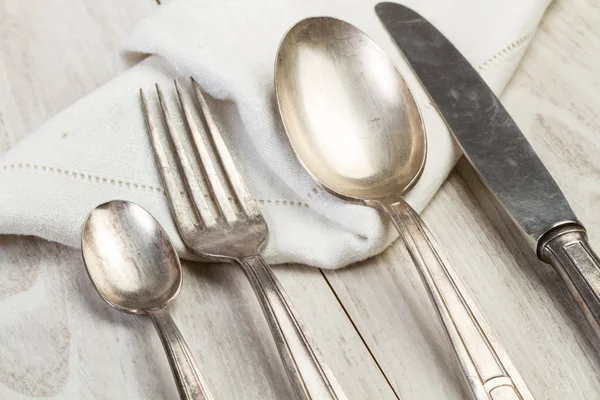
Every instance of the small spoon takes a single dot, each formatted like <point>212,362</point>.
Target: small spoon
<point>134,267</point>
<point>355,127</point>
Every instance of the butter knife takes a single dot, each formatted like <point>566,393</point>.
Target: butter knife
<point>515,174</point>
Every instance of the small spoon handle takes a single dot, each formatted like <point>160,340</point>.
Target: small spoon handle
<point>489,371</point>
<point>310,375</point>
<point>189,381</point>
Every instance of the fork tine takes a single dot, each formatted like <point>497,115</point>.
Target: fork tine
<point>164,168</point>
<point>214,185</point>
<point>189,177</point>
<point>241,191</point>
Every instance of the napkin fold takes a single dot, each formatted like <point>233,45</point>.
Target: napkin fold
<point>98,150</point>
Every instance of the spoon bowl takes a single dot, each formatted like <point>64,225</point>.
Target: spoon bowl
<point>347,111</point>
<point>129,257</point>
<point>356,128</point>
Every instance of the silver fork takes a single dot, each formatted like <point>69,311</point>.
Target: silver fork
<point>233,230</point>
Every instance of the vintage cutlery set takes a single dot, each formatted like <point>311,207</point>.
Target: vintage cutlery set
<point>355,127</point>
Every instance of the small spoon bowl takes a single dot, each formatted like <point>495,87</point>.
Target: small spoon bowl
<point>129,258</point>
<point>358,146</point>
<point>135,268</point>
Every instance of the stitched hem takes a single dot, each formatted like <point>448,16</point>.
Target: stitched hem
<point>82,176</point>
<point>508,50</point>
<point>90,178</point>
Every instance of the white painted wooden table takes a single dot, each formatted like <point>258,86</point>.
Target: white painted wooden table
<point>372,321</point>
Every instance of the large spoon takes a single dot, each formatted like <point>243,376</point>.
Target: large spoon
<point>135,268</point>
<point>355,127</point>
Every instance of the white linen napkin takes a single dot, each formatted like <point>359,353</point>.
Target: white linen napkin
<point>98,150</point>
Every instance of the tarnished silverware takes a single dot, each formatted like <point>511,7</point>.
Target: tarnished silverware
<point>502,156</point>
<point>354,125</point>
<point>232,229</point>
<point>135,268</point>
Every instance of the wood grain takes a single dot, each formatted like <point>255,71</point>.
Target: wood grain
<point>372,321</point>
<point>55,51</point>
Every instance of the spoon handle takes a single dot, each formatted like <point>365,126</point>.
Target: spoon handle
<point>189,380</point>
<point>310,375</point>
<point>489,371</point>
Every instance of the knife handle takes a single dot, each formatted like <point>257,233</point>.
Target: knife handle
<point>490,373</point>
<point>566,248</point>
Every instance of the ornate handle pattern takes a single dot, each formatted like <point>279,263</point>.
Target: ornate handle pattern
<point>489,372</point>
<point>310,375</point>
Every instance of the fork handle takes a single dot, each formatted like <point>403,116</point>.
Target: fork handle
<point>489,372</point>
<point>310,376</point>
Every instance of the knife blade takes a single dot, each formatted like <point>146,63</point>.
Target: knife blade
<point>499,152</point>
